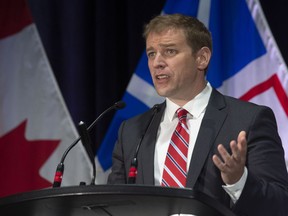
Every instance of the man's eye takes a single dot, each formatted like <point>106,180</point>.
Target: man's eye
<point>170,52</point>
<point>150,54</point>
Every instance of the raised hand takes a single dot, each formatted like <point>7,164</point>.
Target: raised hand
<point>232,165</point>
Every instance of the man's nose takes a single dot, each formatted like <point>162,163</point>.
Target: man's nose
<point>159,61</point>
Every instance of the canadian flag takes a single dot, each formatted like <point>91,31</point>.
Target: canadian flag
<point>35,125</point>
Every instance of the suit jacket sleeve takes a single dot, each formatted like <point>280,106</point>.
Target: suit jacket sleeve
<point>266,188</point>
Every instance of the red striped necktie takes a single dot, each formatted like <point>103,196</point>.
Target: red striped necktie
<point>175,167</point>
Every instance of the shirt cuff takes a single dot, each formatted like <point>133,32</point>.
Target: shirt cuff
<point>236,189</point>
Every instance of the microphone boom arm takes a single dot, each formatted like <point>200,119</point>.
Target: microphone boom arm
<point>60,167</point>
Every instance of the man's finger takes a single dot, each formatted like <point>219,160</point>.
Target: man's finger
<point>223,153</point>
<point>219,164</point>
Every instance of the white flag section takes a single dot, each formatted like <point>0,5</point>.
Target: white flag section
<point>246,63</point>
<point>35,126</point>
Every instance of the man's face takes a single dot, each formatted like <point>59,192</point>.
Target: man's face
<point>173,65</point>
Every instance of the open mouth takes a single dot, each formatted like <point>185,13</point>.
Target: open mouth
<point>161,76</point>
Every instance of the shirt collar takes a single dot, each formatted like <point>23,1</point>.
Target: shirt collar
<point>195,106</point>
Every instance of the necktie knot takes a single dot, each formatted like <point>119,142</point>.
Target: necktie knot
<point>182,115</point>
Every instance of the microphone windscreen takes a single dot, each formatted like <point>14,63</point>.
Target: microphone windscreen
<point>119,105</point>
<point>156,107</point>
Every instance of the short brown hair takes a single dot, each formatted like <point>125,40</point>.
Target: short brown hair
<point>197,34</point>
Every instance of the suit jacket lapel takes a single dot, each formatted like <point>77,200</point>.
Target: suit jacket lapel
<point>146,153</point>
<point>211,124</point>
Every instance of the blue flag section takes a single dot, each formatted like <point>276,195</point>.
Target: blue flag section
<point>187,7</point>
<point>236,40</point>
<point>239,62</point>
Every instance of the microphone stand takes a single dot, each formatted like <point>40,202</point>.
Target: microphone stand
<point>134,164</point>
<point>60,167</point>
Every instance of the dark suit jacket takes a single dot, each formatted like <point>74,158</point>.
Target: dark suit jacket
<point>266,188</point>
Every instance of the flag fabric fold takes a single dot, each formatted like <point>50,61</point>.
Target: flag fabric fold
<point>246,64</point>
<point>35,125</point>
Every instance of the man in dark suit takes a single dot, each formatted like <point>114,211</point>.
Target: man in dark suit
<point>234,153</point>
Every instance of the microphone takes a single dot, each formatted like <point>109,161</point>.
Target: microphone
<point>133,168</point>
<point>86,141</point>
<point>60,167</point>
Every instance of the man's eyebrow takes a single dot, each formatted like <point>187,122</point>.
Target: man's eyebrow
<point>167,45</point>
<point>149,49</point>
<point>164,45</point>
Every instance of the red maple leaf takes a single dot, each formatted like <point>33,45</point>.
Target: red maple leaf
<point>21,160</point>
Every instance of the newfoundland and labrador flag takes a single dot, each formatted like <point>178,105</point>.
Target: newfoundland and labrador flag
<point>246,63</point>
<point>35,126</point>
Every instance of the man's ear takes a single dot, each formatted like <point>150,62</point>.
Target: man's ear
<point>203,57</point>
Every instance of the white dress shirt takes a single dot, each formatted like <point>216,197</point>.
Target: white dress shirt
<point>196,108</point>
